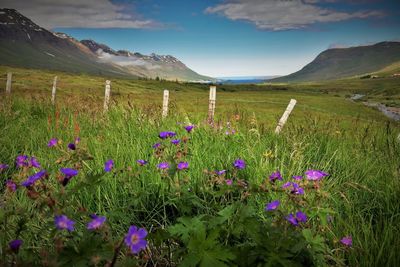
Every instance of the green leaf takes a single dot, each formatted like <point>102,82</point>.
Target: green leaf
<point>187,227</point>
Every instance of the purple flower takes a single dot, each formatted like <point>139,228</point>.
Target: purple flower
<point>176,141</point>
<point>21,161</point>
<point>272,205</point>
<point>62,222</point>
<point>295,188</point>
<point>297,177</point>
<point>72,146</point>
<point>165,135</point>
<point>292,219</point>
<point>315,175</point>
<point>77,140</point>
<point>297,191</point>
<point>68,174</point>
<point>135,239</point>
<point>228,181</point>
<point>287,184</point>
<point>275,176</point>
<point>141,162</point>
<point>347,241</point>
<point>163,165</point>
<point>96,222</point>
<point>239,164</point>
<point>108,165</point>
<point>15,245</point>
<point>3,166</point>
<point>183,165</point>
<point>11,186</point>
<point>53,142</point>
<point>299,218</point>
<point>189,128</point>
<point>221,172</point>
<point>156,145</point>
<point>34,163</point>
<point>33,178</point>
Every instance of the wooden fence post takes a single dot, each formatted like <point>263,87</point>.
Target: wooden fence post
<point>53,91</point>
<point>211,103</point>
<point>165,104</point>
<point>8,85</point>
<point>285,115</point>
<point>107,95</point>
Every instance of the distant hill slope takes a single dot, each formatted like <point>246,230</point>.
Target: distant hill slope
<point>346,62</point>
<point>25,44</point>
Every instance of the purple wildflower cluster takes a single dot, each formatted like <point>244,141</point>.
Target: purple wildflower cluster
<point>25,161</point>
<point>135,238</point>
<point>294,188</point>
<point>165,135</point>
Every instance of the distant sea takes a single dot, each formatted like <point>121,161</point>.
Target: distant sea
<point>244,79</point>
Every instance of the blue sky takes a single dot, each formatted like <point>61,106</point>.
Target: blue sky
<point>223,38</point>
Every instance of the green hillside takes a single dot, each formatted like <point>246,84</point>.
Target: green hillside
<point>49,57</point>
<point>346,62</point>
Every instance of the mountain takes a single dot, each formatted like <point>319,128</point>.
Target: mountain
<point>25,44</point>
<point>162,66</point>
<point>339,63</point>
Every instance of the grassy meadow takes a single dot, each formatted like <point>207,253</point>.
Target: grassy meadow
<point>195,216</point>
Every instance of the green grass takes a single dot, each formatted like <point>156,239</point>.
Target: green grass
<point>355,144</point>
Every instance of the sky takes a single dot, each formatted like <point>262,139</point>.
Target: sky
<point>222,38</point>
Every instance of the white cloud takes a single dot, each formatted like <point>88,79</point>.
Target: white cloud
<point>284,15</point>
<point>79,14</point>
<point>126,61</point>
